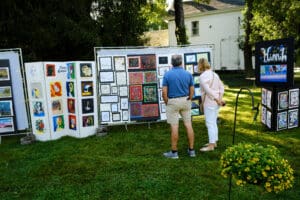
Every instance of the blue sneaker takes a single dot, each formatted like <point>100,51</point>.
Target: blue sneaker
<point>191,153</point>
<point>172,155</point>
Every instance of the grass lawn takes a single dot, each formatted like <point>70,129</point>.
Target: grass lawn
<point>129,164</point>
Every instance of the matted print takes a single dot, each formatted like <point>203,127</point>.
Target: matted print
<point>294,98</point>
<point>160,95</point>
<point>269,119</point>
<point>195,69</point>
<point>160,82</point>
<point>197,92</point>
<point>119,62</point>
<point>72,122</point>
<point>150,77</point>
<point>71,70</point>
<point>88,121</point>
<point>87,88</point>
<point>114,90</point>
<point>57,106</point>
<point>203,55</point>
<point>162,107</point>
<point>121,78</point>
<point>134,62</point>
<point>135,93</point>
<point>4,74</point>
<point>136,78</point>
<point>282,100</point>
<point>150,110</point>
<point>106,77</point>
<point>6,124</point>
<point>38,109</point>
<point>269,99</point>
<point>123,91</point>
<point>281,120</point>
<point>71,105</point>
<point>5,92</point>
<point>58,123</point>
<point>114,107</point>
<point>70,89</point>
<point>87,106</point>
<point>189,68</point>
<point>109,99</point>
<point>190,58</point>
<point>124,103</point>
<point>293,120</point>
<point>163,60</point>
<point>196,79</point>
<point>104,89</point>
<point>148,61</point>
<point>55,89</point>
<point>39,125</point>
<point>263,115</point>
<point>6,108</point>
<point>163,70</point>
<point>105,107</point>
<point>105,116</point>
<point>86,70</point>
<point>50,70</point>
<point>105,63</point>
<point>125,115</point>
<point>264,96</point>
<point>36,91</point>
<point>150,94</point>
<point>136,110</point>
<point>116,117</point>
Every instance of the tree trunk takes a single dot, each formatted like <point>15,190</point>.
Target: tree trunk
<point>247,46</point>
<point>179,22</point>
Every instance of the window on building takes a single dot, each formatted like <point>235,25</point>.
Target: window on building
<point>195,28</point>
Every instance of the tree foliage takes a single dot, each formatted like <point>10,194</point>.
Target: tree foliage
<point>155,14</point>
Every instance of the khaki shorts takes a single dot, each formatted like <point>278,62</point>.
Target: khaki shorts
<point>178,106</point>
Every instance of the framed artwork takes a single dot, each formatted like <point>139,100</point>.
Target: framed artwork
<point>105,63</point>
<point>107,77</point>
<point>110,99</point>
<point>71,70</point>
<point>125,115</point>
<point>282,100</point>
<point>189,68</point>
<point>264,96</point>
<point>269,119</point>
<point>4,74</point>
<point>163,70</point>
<point>6,124</point>
<point>134,62</point>
<point>263,115</point>
<point>114,107</point>
<point>123,91</point>
<point>38,109</point>
<point>160,96</point>
<point>269,99</point>
<point>281,120</point>
<point>5,92</point>
<point>50,70</point>
<point>150,110</point>
<point>190,58</point>
<point>114,90</point>
<point>197,92</point>
<point>88,120</point>
<point>105,116</point>
<point>150,94</point>
<point>87,106</point>
<point>105,107</point>
<point>135,93</point>
<point>150,77</point>
<point>293,120</point>
<point>121,78</point>
<point>195,69</point>
<point>294,98</point>
<point>71,105</point>
<point>204,55</point>
<point>57,106</point>
<point>36,91</point>
<point>55,89</point>
<point>135,110</point>
<point>70,89</point>
<point>39,126</point>
<point>6,108</point>
<point>136,78</point>
<point>196,79</point>
<point>86,70</point>
<point>160,81</point>
<point>104,89</point>
<point>148,61</point>
<point>163,60</point>
<point>58,123</point>
<point>162,107</point>
<point>72,122</point>
<point>119,62</point>
<point>124,103</point>
<point>87,88</point>
<point>116,117</point>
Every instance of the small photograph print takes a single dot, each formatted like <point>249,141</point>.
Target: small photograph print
<point>6,108</point>
<point>294,98</point>
<point>71,105</point>
<point>269,99</point>
<point>36,90</point>
<point>55,89</point>
<point>197,93</point>
<point>71,70</point>
<point>150,93</point>
<point>50,70</point>
<point>148,61</point>
<point>70,89</point>
<point>58,123</point>
<point>5,92</point>
<point>114,107</point>
<point>195,69</point>
<point>263,115</point>
<point>104,89</point>
<point>87,106</point>
<point>162,107</point>
<point>125,115</point>
<point>119,62</point>
<point>88,120</point>
<point>57,106</point>
<point>72,122</point>
<point>4,74</point>
<point>87,88</point>
<point>106,77</point>
<point>204,55</point>
<point>190,58</point>
<point>39,126</point>
<point>116,117</point>
<point>123,91</point>
<point>86,70</point>
<point>160,82</point>
<point>282,100</point>
<point>196,80</point>
<point>134,62</point>
<point>121,78</point>
<point>281,121</point>
<point>124,103</point>
<point>105,116</point>
<point>293,120</point>
<point>163,60</point>
<point>163,70</point>
<point>38,109</point>
<point>105,63</point>
<point>6,125</point>
<point>264,96</point>
<point>269,119</point>
<point>189,68</point>
<point>114,90</point>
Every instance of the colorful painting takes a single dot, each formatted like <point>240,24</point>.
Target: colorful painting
<point>136,78</point>
<point>150,77</point>
<point>38,109</point>
<point>50,70</point>
<point>294,98</point>
<point>282,100</point>
<point>134,62</point>
<point>72,122</point>
<point>87,88</point>
<point>136,110</point>
<point>71,105</point>
<point>87,105</point>
<point>6,108</point>
<point>4,74</point>
<point>58,123</point>
<point>86,70</point>
<point>70,89</point>
<point>150,110</point>
<point>88,121</point>
<point>150,93</point>
<point>5,92</point>
<point>57,107</point>
<point>39,126</point>
<point>71,70</point>
<point>135,93</point>
<point>293,120</point>
<point>36,91</point>
<point>55,89</point>
<point>148,61</point>
<point>6,124</point>
<point>281,120</point>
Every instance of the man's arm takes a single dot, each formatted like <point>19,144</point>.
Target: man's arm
<point>191,92</point>
<point>165,94</point>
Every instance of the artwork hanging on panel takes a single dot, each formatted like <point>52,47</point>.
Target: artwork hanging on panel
<point>119,62</point>
<point>88,120</point>
<point>196,79</point>
<point>150,110</point>
<point>39,126</point>
<point>160,81</point>
<point>58,123</point>
<point>263,115</point>
<point>269,99</point>
<point>282,100</point>
<point>204,55</point>
<point>38,109</point>
<point>264,96</point>
<point>105,63</point>
<point>148,61</point>
<point>269,119</point>
<point>72,122</point>
<point>190,58</point>
<point>197,92</point>
<point>87,106</point>
<point>150,94</point>
<point>5,92</point>
<point>294,98</point>
<point>150,77</point>
<point>109,99</point>
<point>55,89</point>
<point>50,70</point>
<point>107,77</point>
<point>162,107</point>
<point>71,105</point>
<point>114,90</point>
<point>134,62</point>
<point>71,70</point>
<point>123,91</point>
<point>136,110</point>
<point>116,117</point>
<point>105,116</point>
<point>70,89</point>
<point>4,74</point>
<point>124,103</point>
<point>87,88</point>
<point>163,60</point>
<point>293,120</point>
<point>195,69</point>
<point>135,93</point>
<point>6,108</point>
<point>86,70</point>
<point>36,90</point>
<point>104,89</point>
<point>136,78</point>
<point>163,70</point>
<point>57,106</point>
<point>189,68</point>
<point>281,120</point>
<point>6,124</point>
<point>121,78</point>
<point>114,107</point>
<point>125,115</point>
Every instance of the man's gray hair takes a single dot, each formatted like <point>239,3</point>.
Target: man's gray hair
<point>176,60</point>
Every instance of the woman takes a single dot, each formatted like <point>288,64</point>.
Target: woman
<point>212,90</point>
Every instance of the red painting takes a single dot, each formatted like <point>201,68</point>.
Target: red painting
<point>55,89</point>
<point>136,78</point>
<point>148,62</point>
<point>72,122</point>
<point>136,93</point>
<point>150,77</point>
<point>150,110</point>
<point>135,110</point>
<point>71,105</point>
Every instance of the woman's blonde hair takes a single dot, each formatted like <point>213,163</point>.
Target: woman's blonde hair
<point>203,65</point>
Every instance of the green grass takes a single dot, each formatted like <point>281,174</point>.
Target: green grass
<point>129,164</point>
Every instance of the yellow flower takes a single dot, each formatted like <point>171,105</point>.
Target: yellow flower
<point>239,182</point>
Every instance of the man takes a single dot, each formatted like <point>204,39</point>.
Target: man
<point>178,90</point>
